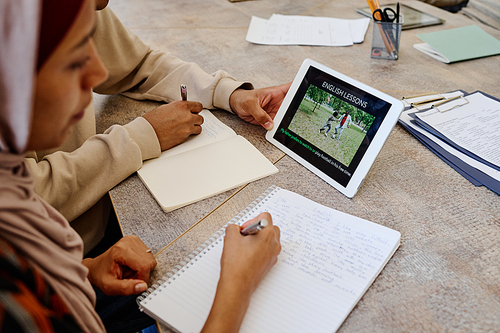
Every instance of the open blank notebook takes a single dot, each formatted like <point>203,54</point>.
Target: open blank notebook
<point>328,261</point>
<point>204,165</point>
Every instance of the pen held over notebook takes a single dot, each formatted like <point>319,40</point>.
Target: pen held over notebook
<point>254,228</point>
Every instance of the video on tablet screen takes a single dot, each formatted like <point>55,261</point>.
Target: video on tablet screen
<point>331,124</point>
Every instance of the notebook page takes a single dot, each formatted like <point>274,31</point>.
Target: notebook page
<point>185,302</point>
<point>203,172</point>
<point>213,130</point>
<point>328,260</point>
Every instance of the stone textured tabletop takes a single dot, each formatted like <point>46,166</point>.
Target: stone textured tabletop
<point>445,275</point>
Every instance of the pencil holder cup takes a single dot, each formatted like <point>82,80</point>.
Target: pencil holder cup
<point>385,40</point>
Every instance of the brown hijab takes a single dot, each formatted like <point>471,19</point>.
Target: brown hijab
<point>27,222</point>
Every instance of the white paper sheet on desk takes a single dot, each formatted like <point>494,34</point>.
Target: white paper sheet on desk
<point>337,28</point>
<point>358,29</point>
<point>474,127</point>
<point>306,30</point>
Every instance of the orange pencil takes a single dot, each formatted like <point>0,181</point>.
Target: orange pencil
<point>372,5</point>
<point>377,6</point>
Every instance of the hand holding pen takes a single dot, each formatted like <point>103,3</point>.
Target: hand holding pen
<point>174,122</point>
<point>251,256</point>
<point>254,228</point>
<point>244,262</point>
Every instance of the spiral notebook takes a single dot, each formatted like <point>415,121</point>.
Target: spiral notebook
<point>328,260</point>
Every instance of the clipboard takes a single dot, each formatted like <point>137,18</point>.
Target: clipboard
<point>465,163</point>
<point>449,106</point>
<point>440,101</point>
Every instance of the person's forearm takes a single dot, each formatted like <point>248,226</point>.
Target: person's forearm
<point>139,72</point>
<point>73,182</point>
<point>230,305</point>
<point>245,261</point>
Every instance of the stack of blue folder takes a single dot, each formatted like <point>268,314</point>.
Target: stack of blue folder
<point>470,163</point>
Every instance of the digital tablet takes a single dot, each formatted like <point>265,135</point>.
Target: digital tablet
<point>333,125</point>
<point>413,18</point>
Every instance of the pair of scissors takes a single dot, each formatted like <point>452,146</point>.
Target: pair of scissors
<point>384,15</point>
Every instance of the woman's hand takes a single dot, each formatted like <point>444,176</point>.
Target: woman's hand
<point>248,258</point>
<point>245,261</point>
<point>123,269</point>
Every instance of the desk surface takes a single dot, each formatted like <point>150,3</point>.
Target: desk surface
<point>445,275</point>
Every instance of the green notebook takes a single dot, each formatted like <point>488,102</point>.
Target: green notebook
<point>458,44</point>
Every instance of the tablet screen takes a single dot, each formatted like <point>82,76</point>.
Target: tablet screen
<point>331,123</point>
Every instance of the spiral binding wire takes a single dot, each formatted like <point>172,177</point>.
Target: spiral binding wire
<point>175,272</point>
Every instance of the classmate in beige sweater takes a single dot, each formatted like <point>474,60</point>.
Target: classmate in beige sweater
<point>76,177</point>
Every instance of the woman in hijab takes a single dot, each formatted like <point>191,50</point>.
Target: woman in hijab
<point>67,68</point>
<point>45,283</point>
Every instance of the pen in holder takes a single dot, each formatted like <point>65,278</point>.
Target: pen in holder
<point>386,39</point>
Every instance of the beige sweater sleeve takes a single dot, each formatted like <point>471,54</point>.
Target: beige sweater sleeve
<point>141,73</point>
<point>73,182</point>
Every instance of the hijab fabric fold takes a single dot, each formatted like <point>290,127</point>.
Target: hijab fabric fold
<point>27,222</point>
<point>16,71</point>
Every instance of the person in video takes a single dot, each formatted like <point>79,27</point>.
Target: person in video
<point>328,124</point>
<point>344,122</point>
